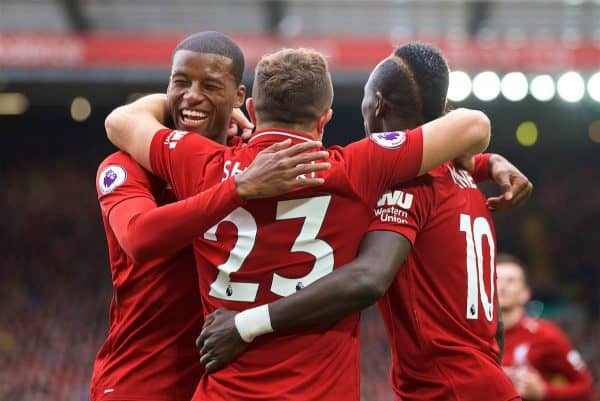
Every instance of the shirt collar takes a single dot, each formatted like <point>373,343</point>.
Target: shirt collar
<point>273,135</point>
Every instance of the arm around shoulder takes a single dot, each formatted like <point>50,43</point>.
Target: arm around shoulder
<point>460,132</point>
<point>131,127</point>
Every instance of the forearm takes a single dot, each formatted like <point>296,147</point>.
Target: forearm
<point>131,127</point>
<point>458,133</point>
<point>347,290</point>
<point>331,298</point>
<point>167,229</point>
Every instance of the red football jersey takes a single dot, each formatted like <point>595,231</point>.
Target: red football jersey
<point>542,345</point>
<point>149,352</point>
<point>271,248</point>
<point>440,310</point>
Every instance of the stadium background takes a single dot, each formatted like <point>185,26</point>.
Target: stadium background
<point>65,64</point>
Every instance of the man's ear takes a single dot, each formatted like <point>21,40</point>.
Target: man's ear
<point>240,95</point>
<point>323,120</point>
<point>251,110</point>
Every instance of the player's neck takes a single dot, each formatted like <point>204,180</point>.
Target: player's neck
<point>398,124</point>
<point>287,127</point>
<point>222,138</point>
<point>511,317</point>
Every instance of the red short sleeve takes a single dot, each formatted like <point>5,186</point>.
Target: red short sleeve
<point>119,178</point>
<point>482,168</point>
<point>404,210</point>
<point>383,160</point>
<point>180,158</point>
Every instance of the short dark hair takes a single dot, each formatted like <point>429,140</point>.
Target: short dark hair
<point>292,86</point>
<point>216,43</point>
<point>395,81</point>
<point>415,79</point>
<point>430,70</point>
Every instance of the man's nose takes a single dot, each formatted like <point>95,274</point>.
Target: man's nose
<point>194,93</point>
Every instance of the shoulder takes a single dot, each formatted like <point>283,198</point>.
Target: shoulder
<point>121,159</point>
<point>545,331</point>
<point>550,330</point>
<point>117,169</point>
<point>176,139</point>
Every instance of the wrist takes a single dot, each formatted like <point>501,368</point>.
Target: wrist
<point>253,322</point>
<point>241,187</point>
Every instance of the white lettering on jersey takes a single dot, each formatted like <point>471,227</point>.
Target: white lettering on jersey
<point>461,178</point>
<point>174,137</point>
<point>391,215</point>
<point>396,198</point>
<point>390,207</point>
<point>231,169</point>
<point>111,177</point>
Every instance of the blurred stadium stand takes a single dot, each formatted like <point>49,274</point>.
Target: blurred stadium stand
<point>65,64</point>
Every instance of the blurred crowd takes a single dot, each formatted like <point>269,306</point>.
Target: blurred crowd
<point>55,281</point>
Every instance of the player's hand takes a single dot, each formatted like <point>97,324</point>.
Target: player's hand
<point>530,385</point>
<point>219,342</point>
<point>514,185</point>
<point>240,121</point>
<point>280,168</point>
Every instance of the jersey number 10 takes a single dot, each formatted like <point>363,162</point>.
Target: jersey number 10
<point>475,232</point>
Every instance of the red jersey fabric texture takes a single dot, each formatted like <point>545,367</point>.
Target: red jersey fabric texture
<point>149,353</point>
<point>542,345</point>
<point>271,248</point>
<point>440,310</point>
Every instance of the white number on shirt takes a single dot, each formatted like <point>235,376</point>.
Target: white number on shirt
<point>475,233</point>
<point>313,210</point>
<point>223,287</point>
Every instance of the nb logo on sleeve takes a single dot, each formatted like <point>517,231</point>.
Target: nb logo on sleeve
<point>396,198</point>
<point>173,138</point>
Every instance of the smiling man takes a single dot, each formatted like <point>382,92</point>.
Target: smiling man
<point>155,311</point>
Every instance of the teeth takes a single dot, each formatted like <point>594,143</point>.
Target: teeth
<point>194,113</point>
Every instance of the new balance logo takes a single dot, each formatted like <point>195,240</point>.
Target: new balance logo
<point>173,138</point>
<point>396,198</point>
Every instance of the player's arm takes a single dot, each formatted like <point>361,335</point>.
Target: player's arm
<point>386,159</point>
<point>131,127</point>
<point>346,290</point>
<point>458,133</point>
<point>514,186</point>
<point>146,231</point>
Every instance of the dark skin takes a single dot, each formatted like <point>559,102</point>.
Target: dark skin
<point>359,283</point>
<point>203,83</point>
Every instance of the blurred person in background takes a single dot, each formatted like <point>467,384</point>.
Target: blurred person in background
<point>155,312</point>
<point>538,357</point>
<point>440,309</point>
